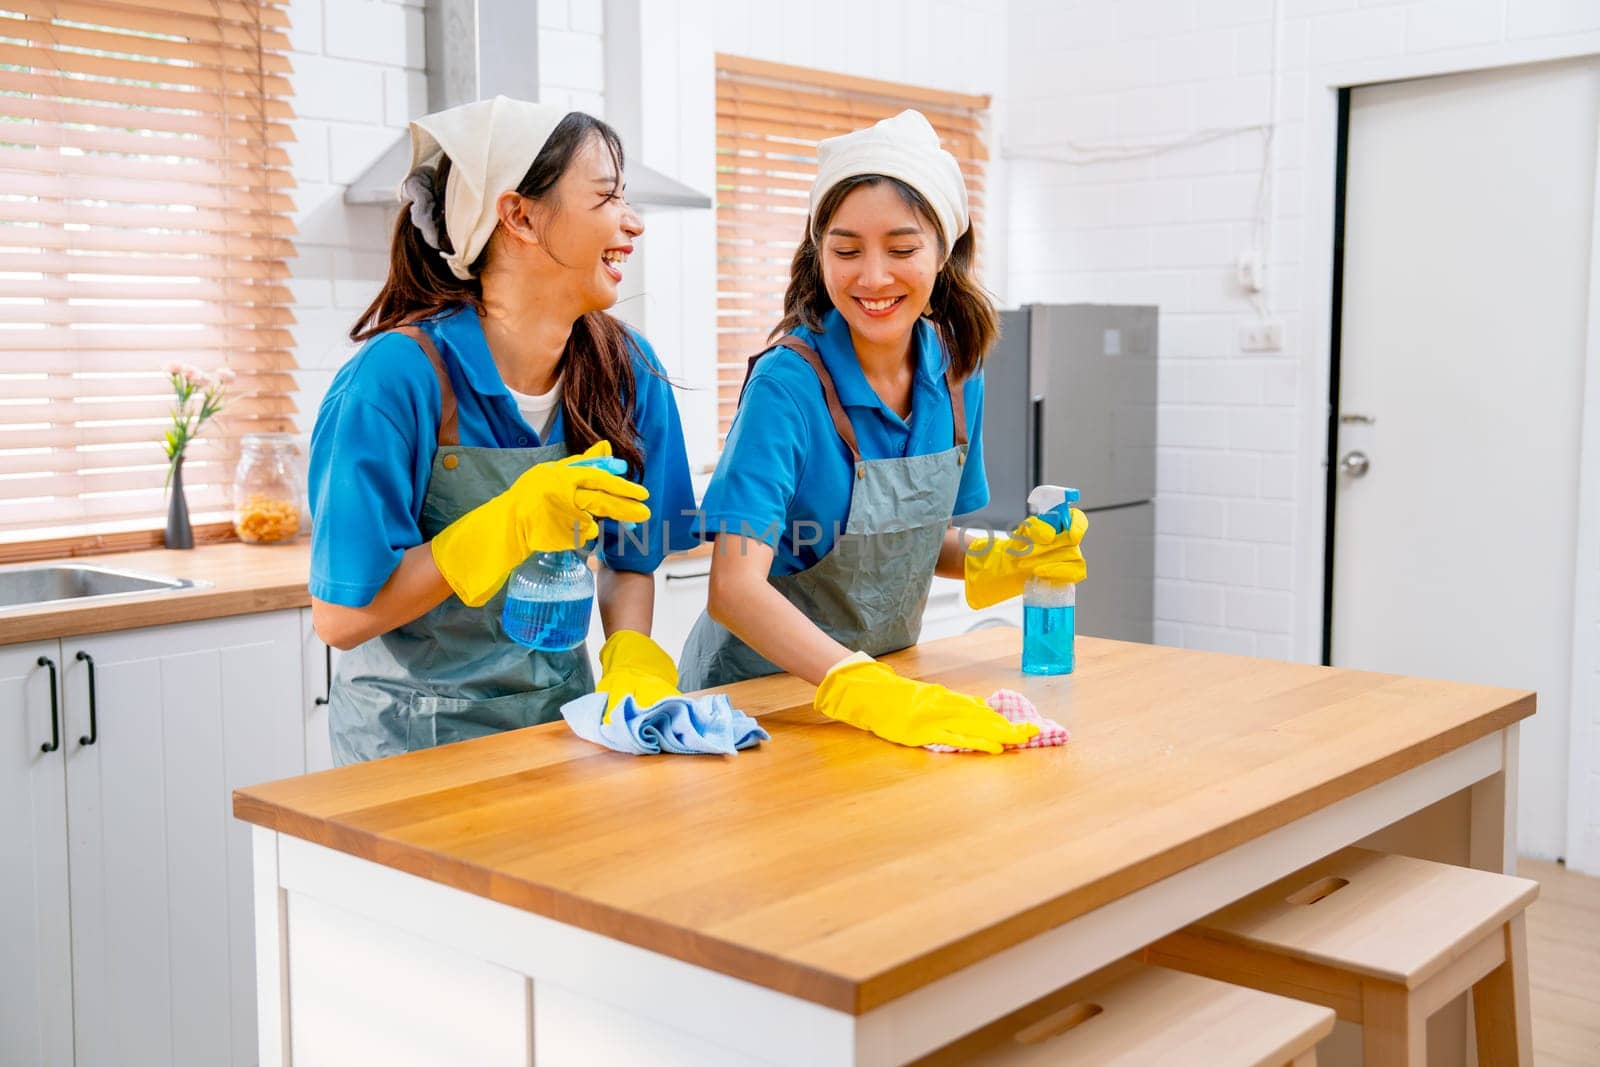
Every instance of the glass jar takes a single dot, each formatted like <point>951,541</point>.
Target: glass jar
<point>267,490</point>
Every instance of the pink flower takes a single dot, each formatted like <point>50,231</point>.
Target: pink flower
<point>224,375</point>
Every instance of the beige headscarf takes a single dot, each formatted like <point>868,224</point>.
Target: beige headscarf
<point>491,145</point>
<point>904,147</point>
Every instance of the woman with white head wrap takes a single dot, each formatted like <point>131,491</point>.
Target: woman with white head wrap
<point>858,438</point>
<point>445,451</point>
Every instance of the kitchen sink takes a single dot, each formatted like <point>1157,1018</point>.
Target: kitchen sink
<point>40,584</point>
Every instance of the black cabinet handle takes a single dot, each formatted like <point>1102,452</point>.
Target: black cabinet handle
<point>55,708</point>
<point>94,720</point>
<point>688,577</point>
<point>327,667</point>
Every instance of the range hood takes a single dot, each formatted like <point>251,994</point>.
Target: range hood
<point>477,48</point>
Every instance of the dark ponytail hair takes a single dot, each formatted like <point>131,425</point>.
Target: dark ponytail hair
<point>959,307</point>
<point>596,366</point>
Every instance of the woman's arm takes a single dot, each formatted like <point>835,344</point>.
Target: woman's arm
<point>414,588</point>
<point>741,600</point>
<point>952,554</point>
<point>627,600</point>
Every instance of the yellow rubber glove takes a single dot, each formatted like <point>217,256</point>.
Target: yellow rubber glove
<point>997,568</point>
<point>633,665</point>
<point>867,694</point>
<point>552,507</point>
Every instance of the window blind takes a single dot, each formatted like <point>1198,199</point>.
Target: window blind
<point>770,117</point>
<point>144,219</point>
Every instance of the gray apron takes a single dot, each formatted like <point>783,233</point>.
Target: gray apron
<point>868,593</point>
<point>451,674</point>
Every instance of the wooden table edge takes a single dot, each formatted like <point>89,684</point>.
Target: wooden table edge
<point>910,975</point>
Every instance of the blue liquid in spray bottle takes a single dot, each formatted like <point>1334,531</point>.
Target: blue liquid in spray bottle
<point>550,596</point>
<point>1049,608</point>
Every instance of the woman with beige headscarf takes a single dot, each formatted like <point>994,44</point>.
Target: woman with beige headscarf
<point>858,437</point>
<point>447,449</point>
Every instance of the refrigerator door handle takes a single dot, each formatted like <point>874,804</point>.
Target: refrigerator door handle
<point>1036,460</point>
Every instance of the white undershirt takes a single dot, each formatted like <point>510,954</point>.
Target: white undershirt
<point>539,409</point>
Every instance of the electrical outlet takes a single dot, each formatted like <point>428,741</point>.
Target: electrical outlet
<point>1261,335</point>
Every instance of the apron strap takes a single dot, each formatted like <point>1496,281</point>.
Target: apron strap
<point>449,431</point>
<point>958,398</point>
<point>958,405</point>
<point>841,421</point>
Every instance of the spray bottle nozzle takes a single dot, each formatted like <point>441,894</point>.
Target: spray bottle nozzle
<point>1053,504</point>
<point>611,465</point>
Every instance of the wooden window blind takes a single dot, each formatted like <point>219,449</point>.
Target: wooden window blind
<point>144,219</point>
<point>770,117</point>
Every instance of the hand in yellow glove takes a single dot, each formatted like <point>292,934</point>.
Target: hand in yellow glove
<point>550,508</point>
<point>997,568</point>
<point>867,694</point>
<point>633,665</point>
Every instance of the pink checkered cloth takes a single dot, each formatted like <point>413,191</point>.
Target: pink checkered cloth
<point>1018,708</point>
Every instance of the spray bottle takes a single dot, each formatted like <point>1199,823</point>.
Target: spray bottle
<point>550,595</point>
<point>1049,608</point>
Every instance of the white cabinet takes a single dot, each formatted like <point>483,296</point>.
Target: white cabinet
<point>157,727</point>
<point>682,583</point>
<point>35,937</point>
<point>947,614</point>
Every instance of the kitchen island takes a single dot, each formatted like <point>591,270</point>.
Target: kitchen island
<point>829,898</point>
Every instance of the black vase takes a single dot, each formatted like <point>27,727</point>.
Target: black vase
<point>179,533</point>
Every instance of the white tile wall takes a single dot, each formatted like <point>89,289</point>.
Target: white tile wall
<point>1166,228</point>
<point>359,77</point>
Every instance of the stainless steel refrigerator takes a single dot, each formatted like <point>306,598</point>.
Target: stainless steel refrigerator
<point>1070,399</point>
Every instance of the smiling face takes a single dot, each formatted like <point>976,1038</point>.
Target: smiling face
<point>587,230</point>
<point>879,258</point>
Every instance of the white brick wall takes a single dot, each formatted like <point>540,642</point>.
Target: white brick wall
<point>358,80</point>
<point>1166,228</point>
<point>571,66</point>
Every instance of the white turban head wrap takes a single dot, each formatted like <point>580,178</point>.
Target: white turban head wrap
<point>491,145</point>
<point>904,147</point>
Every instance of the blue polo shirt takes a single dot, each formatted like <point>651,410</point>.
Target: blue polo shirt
<point>786,477</point>
<point>378,428</point>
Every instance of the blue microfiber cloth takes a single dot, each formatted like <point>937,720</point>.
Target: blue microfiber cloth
<point>685,725</point>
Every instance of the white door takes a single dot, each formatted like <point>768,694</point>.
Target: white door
<point>1466,273</point>
<point>162,922</point>
<point>35,936</point>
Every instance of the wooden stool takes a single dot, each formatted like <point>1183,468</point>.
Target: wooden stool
<point>1149,1017</point>
<point>1383,940</point>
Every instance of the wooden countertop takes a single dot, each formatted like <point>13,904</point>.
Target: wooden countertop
<point>242,579</point>
<point>836,867</point>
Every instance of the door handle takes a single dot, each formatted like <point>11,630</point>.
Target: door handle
<point>55,708</point>
<point>327,685</point>
<point>94,719</point>
<point>688,577</point>
<point>1354,464</point>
